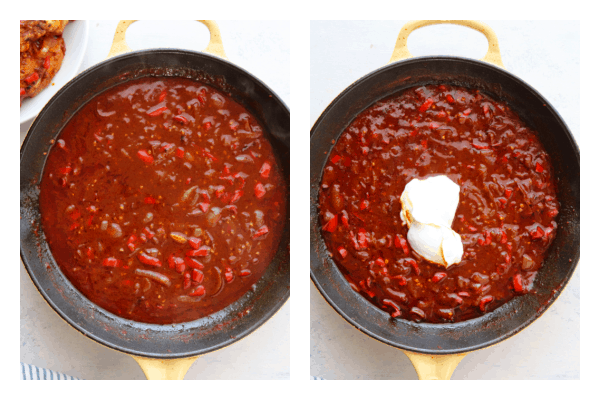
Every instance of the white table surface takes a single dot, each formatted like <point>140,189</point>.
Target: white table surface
<point>544,54</point>
<point>261,48</point>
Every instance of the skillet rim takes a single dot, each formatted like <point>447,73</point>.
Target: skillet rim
<point>315,234</point>
<point>200,350</point>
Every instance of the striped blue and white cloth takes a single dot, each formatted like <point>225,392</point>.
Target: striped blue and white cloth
<point>33,373</point>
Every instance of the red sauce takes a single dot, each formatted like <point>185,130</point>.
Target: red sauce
<point>506,213</point>
<point>161,200</point>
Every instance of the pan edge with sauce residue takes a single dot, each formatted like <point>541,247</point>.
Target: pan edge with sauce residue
<point>156,341</point>
<point>563,255</point>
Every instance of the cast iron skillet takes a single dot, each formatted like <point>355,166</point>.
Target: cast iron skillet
<point>563,255</point>
<point>176,341</point>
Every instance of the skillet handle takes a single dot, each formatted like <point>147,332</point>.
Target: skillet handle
<point>433,367</point>
<point>156,369</point>
<point>492,56</point>
<point>215,44</point>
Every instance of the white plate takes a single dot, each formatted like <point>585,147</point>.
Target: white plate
<point>76,39</point>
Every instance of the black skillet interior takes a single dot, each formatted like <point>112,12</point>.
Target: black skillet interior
<point>562,257</point>
<point>157,341</point>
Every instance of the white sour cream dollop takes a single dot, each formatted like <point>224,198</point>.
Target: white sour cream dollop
<point>428,208</point>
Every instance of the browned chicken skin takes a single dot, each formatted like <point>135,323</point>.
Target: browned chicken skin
<point>42,53</point>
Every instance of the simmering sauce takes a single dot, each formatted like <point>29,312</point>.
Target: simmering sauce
<point>505,216</point>
<point>162,200</point>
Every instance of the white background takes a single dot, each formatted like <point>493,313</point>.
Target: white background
<point>543,54</point>
<point>300,15</point>
<point>47,341</point>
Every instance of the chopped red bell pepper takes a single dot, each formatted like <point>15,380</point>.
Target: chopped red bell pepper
<point>486,240</point>
<point>148,260</point>
<point>111,262</point>
<point>393,305</point>
<point>195,264</point>
<point>32,78</point>
<point>414,265</point>
<point>479,145</point>
<point>145,157</point>
<point>157,112</point>
<point>538,167</point>
<point>363,241</point>
<point>537,233</point>
<point>197,276</point>
<point>438,276</point>
<point>171,261</point>
<point>331,224</point>
<point>484,301</point>
<point>263,230</point>
<point>195,242</point>
<point>344,219</point>
<point>425,106</point>
<point>207,154</point>
<point>148,233</point>
<point>180,118</point>
<point>179,264</point>
<point>228,275</point>
<point>199,291</point>
<point>236,196</point>
<point>204,206</point>
<point>201,252</point>
<point>265,170</point>
<point>219,191</point>
<point>364,204</point>
<point>202,96</point>
<point>187,280</point>
<point>518,283</point>
<point>259,190</point>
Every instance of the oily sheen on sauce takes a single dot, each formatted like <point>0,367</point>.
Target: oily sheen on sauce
<point>162,200</point>
<point>505,217</point>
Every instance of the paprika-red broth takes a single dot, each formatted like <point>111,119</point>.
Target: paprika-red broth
<point>505,216</point>
<point>162,200</point>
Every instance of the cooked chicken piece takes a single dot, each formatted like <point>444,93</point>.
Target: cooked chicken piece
<point>33,30</point>
<point>42,53</point>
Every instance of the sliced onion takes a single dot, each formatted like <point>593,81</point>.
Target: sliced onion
<point>528,263</point>
<point>221,283</point>
<point>105,113</point>
<point>189,299</point>
<point>155,276</point>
